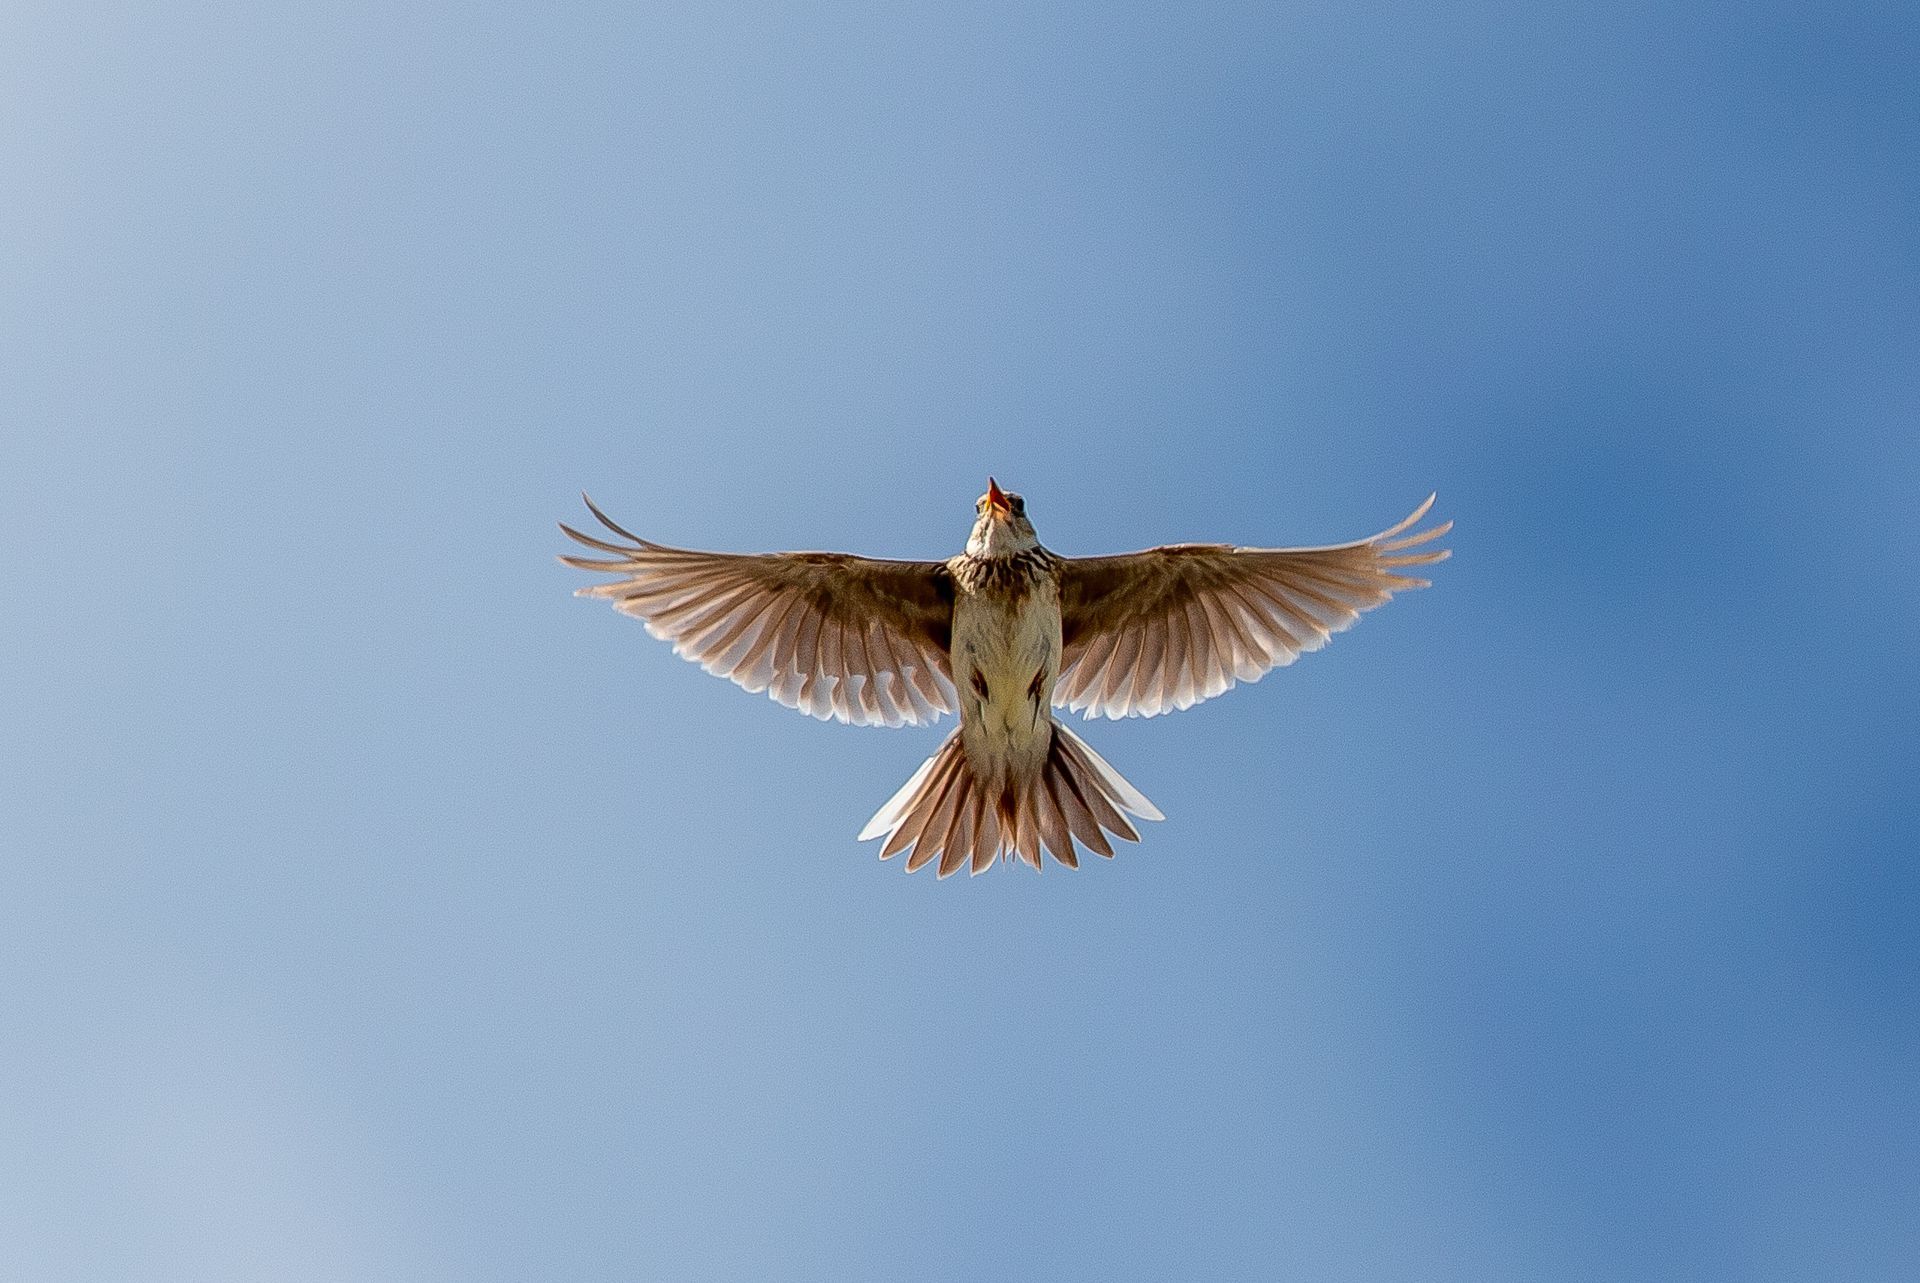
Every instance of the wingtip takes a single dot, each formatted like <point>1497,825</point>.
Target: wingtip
<point>607,521</point>
<point>1407,520</point>
<point>601,544</point>
<point>1394,541</point>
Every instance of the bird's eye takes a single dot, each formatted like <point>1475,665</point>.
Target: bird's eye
<point>1019,505</point>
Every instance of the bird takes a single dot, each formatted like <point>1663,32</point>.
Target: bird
<point>1003,634</point>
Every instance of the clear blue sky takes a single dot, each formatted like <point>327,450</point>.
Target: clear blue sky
<point>374,910</point>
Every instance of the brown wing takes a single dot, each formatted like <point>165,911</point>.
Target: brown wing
<point>830,634</point>
<point>1149,632</point>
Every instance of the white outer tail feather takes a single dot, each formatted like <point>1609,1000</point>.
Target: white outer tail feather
<point>944,810</point>
<point>888,817</point>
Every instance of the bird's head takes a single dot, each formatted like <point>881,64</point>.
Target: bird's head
<point>1002,528</point>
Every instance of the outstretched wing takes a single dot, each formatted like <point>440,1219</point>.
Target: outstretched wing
<point>830,634</point>
<point>1149,632</point>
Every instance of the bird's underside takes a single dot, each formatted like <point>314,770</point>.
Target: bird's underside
<point>1002,634</point>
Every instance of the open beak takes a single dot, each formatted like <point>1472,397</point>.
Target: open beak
<point>997,500</point>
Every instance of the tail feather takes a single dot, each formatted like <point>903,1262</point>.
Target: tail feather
<point>959,837</point>
<point>1125,795</point>
<point>935,815</point>
<point>1054,829</point>
<point>887,818</point>
<point>947,811</point>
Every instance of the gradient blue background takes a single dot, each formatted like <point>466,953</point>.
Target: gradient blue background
<point>374,910</point>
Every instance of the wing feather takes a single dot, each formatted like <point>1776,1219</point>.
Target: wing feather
<point>830,634</point>
<point>1152,631</point>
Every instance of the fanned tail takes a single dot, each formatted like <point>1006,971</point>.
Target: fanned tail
<point>945,809</point>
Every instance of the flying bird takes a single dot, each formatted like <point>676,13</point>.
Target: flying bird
<point>1002,634</point>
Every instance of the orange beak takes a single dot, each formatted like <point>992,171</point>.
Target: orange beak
<point>997,499</point>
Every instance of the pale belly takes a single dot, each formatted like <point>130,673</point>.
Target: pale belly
<point>1005,660</point>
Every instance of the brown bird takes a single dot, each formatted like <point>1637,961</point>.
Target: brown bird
<point>1002,634</point>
